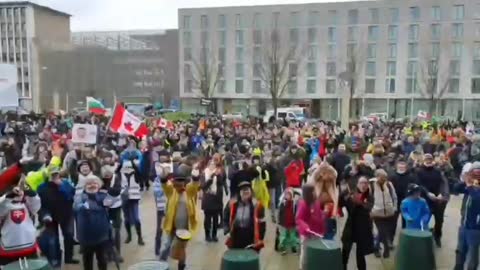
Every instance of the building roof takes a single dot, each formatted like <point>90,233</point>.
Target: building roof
<point>34,5</point>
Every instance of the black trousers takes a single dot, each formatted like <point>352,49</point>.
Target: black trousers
<point>395,224</point>
<point>100,252</point>
<point>210,223</point>
<point>346,249</point>
<point>68,241</point>
<point>438,212</point>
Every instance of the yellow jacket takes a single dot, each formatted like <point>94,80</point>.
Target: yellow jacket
<point>172,200</point>
<point>260,189</point>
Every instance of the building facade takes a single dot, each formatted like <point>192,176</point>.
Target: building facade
<point>397,57</point>
<point>24,29</point>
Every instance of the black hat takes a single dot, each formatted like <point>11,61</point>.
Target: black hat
<point>412,189</point>
<point>81,163</point>
<point>244,184</point>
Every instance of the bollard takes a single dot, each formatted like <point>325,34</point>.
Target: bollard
<point>322,254</point>
<point>240,259</point>
<point>28,264</point>
<point>415,251</point>
<point>149,265</point>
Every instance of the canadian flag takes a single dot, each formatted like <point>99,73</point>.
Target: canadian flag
<point>124,122</point>
<point>164,123</point>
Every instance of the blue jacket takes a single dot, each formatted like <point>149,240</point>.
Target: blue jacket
<point>160,198</point>
<point>91,216</point>
<point>132,154</point>
<point>314,144</point>
<point>197,141</point>
<point>471,208</point>
<point>416,213</point>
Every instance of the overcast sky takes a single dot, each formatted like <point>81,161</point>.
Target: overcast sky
<point>88,15</point>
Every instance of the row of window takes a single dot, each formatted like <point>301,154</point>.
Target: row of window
<point>7,13</point>
<point>314,17</point>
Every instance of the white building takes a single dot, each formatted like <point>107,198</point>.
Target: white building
<point>396,46</point>
<point>25,28</point>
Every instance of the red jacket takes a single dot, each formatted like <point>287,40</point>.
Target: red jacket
<point>10,176</point>
<point>293,173</point>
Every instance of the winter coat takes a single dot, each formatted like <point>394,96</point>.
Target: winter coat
<point>92,220</point>
<point>247,174</point>
<point>433,181</point>
<point>259,186</point>
<point>400,182</point>
<point>293,173</point>
<point>416,213</point>
<point>310,218</point>
<point>160,198</point>
<point>212,200</point>
<point>284,217</point>
<point>471,208</point>
<point>384,199</point>
<point>57,201</point>
<point>340,161</point>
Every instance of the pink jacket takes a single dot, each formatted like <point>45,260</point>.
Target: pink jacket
<point>310,218</point>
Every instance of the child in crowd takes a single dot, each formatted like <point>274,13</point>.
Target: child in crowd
<point>286,221</point>
<point>415,209</point>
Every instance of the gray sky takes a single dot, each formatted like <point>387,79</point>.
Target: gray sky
<point>88,15</point>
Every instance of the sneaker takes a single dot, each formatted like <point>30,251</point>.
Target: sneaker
<point>377,254</point>
<point>284,252</point>
<point>72,261</point>
<point>214,239</point>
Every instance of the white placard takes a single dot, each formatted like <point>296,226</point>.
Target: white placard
<point>8,85</point>
<point>83,133</point>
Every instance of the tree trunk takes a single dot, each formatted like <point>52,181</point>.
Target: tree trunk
<point>275,107</point>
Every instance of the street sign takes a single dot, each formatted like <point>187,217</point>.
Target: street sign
<point>205,102</point>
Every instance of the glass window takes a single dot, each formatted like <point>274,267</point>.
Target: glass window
<point>238,21</point>
<point>312,35</point>
<point>458,12</point>
<point>476,49</point>
<point>374,18</point>
<point>392,50</point>
<point>239,54</point>
<point>222,21</point>
<point>257,86</point>
<point>257,37</point>
<point>294,35</point>
<point>292,70</point>
<point>257,55</point>
<point>454,85</point>
<point>371,69</point>
<point>275,20</point>
<point>187,71</point>
<point>188,86</point>
<point>392,32</point>
<point>311,86</point>
<point>436,13</point>
<point>332,34</point>
<point>257,20</point>
<point>391,68</point>
<point>312,52</point>
<point>414,13</point>
<point>331,69</point>
<point>239,37</point>
<point>222,38</point>
<point>221,70</point>
<point>204,38</point>
<point>390,85</point>
<point>394,15</point>
<point>222,55</point>
<point>330,86</point>
<point>313,18</point>
<point>311,70</point>
<point>435,31</point>
<point>351,50</point>
<point>412,85</point>
<point>477,29</point>
<point>370,86</point>
<point>221,86</point>
<point>476,67</point>
<point>187,38</point>
<point>238,86</point>
<point>412,68</point>
<point>457,30</point>
<point>413,50</point>
<point>475,85</point>
<point>292,86</point>
<point>435,49</point>
<point>187,22</point>
<point>433,68</point>
<point>239,70</point>
<point>294,19</point>
<point>352,34</point>
<point>332,17</point>
<point>413,32</point>
<point>454,68</point>
<point>457,49</point>
<point>257,70</point>
<point>187,54</point>
<point>204,21</point>
<point>353,16</point>
<point>332,51</point>
<point>373,33</point>
<point>372,50</point>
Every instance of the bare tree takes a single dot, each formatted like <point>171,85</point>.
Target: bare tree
<point>350,78</point>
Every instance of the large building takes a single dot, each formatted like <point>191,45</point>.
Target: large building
<point>25,28</point>
<point>397,57</point>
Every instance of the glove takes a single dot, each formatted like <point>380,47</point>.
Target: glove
<point>47,219</point>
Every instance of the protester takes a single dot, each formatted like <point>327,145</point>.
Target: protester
<point>286,221</point>
<point>415,209</point>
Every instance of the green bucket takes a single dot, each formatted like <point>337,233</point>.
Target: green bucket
<point>240,259</point>
<point>415,251</point>
<point>28,264</point>
<point>322,254</point>
<point>149,265</point>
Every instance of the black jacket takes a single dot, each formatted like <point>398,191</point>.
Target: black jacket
<point>57,201</point>
<point>213,201</point>
<point>400,183</point>
<point>339,161</point>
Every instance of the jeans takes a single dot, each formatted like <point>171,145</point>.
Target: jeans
<point>131,213</point>
<point>159,232</point>
<point>100,252</point>
<point>331,229</point>
<point>167,241</point>
<point>210,223</point>
<point>467,249</point>
<point>346,249</point>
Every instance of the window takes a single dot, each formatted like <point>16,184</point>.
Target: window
<point>391,68</point>
<point>394,15</point>
<point>257,70</point>
<point>239,37</point>
<point>371,69</point>
<point>221,55</point>
<point>257,86</point>
<point>187,71</point>
<point>311,86</point>
<point>221,86</point>
<point>392,32</point>
<point>412,68</point>
<point>222,38</point>
<point>475,85</point>
<point>331,69</point>
<point>372,50</point>
<point>312,35</point>
<point>292,70</point>
<point>436,13</point>
<point>239,54</point>
<point>257,37</point>
<point>204,39</point>
<point>187,54</point>
<point>187,22</point>
<point>351,50</point>
<point>294,19</point>
<point>374,18</point>
<point>353,16</point>
<point>239,70</point>
<point>412,50</point>
<point>332,17</point>
<point>222,21</point>
<point>332,51</point>
<point>257,20</point>
<point>411,85</point>
<point>435,49</point>
<point>476,49</point>
<point>330,86</point>
<point>311,70</point>
<point>413,32</point>
<point>477,29</point>
<point>276,18</point>
<point>390,85</point>
<point>204,55</point>
<point>373,33</point>
<point>187,38</point>
<point>238,22</point>
<point>435,31</point>
<point>370,86</point>
<point>414,13</point>
<point>332,34</point>
<point>352,34</point>
<point>204,21</point>
<point>294,36</point>
<point>458,12</point>
<point>239,86</point>
<point>292,86</point>
<point>454,68</point>
<point>454,85</point>
<point>392,50</point>
<point>457,30</point>
<point>188,86</point>
<point>457,49</point>
<point>476,67</point>
<point>312,52</point>
<point>313,18</point>
<point>221,70</point>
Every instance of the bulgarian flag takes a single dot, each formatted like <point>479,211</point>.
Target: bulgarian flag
<point>95,106</point>
<point>124,122</point>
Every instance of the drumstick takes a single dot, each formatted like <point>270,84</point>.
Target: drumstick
<point>321,238</point>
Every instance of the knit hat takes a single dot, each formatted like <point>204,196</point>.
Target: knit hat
<point>244,184</point>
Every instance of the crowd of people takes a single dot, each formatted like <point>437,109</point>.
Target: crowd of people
<point>302,177</point>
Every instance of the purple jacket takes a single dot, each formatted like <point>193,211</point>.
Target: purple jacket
<point>310,218</point>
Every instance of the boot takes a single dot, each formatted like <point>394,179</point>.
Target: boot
<point>214,234</point>
<point>208,238</point>
<point>181,266</point>
<point>138,228</point>
<point>129,233</point>
<point>118,245</point>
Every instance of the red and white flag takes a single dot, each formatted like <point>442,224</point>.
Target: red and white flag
<point>124,122</point>
<point>164,123</point>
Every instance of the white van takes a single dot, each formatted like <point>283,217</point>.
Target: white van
<point>288,113</point>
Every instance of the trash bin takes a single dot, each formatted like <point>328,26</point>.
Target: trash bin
<point>415,251</point>
<point>240,259</point>
<point>322,254</point>
<point>28,264</point>
<point>149,265</point>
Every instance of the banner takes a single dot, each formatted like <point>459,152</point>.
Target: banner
<point>83,133</point>
<point>8,85</point>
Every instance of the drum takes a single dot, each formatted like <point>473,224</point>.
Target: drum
<point>149,265</point>
<point>415,251</point>
<point>28,264</point>
<point>179,244</point>
<point>240,259</point>
<point>322,254</point>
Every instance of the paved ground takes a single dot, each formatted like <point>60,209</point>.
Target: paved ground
<point>207,256</point>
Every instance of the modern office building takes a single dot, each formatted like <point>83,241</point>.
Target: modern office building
<point>25,28</point>
<point>397,57</point>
